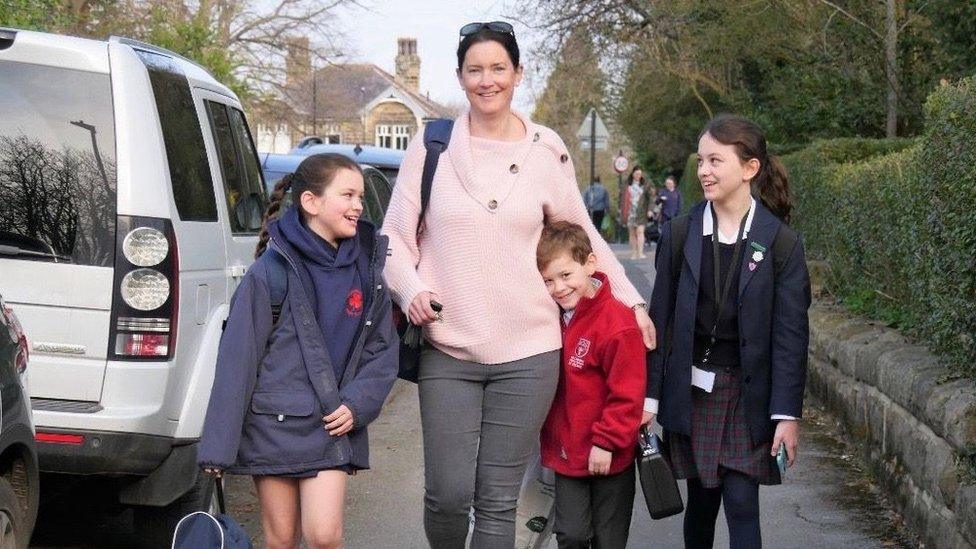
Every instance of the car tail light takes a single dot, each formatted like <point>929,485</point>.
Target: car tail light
<point>16,333</point>
<point>145,300</point>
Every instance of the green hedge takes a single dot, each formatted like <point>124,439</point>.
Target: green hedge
<point>691,192</point>
<point>896,220</point>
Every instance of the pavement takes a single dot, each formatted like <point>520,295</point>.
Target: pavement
<point>826,501</point>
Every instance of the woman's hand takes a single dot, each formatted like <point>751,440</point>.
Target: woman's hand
<point>600,461</point>
<point>339,422</point>
<point>646,327</point>
<point>787,432</point>
<point>420,312</point>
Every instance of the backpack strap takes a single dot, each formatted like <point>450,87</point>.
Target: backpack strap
<point>437,135</point>
<point>277,282</point>
<point>783,246</point>
<point>679,233</point>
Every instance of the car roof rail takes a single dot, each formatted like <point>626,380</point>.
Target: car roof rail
<point>7,37</point>
<point>153,49</point>
<point>309,141</point>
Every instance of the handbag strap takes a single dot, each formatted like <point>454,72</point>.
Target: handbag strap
<point>221,504</point>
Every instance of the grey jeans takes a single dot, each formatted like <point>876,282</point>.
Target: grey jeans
<point>480,423</point>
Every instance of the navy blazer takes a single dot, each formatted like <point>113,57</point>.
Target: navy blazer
<point>773,328</point>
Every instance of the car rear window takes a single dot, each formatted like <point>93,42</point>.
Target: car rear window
<point>189,171</point>
<point>57,165</point>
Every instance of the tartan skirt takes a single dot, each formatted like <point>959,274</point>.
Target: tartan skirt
<point>720,439</point>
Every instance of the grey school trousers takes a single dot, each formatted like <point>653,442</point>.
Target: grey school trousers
<point>480,426</point>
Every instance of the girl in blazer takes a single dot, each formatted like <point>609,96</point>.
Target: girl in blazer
<point>292,395</point>
<point>727,383</point>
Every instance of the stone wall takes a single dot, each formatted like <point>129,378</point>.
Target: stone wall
<point>913,422</point>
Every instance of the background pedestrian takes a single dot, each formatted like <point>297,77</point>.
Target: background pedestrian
<point>597,202</point>
<point>670,198</point>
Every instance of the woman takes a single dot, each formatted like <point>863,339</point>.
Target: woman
<point>732,373</point>
<point>487,382</point>
<point>635,210</point>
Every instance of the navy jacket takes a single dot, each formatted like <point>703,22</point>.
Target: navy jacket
<point>596,198</point>
<point>773,329</point>
<point>274,383</point>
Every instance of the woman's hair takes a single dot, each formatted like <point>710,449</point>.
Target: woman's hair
<point>487,35</point>
<point>633,171</point>
<point>314,174</point>
<point>771,183</point>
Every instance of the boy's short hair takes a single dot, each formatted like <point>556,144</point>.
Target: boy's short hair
<point>559,237</point>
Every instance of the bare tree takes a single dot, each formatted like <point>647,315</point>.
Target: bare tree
<point>247,40</point>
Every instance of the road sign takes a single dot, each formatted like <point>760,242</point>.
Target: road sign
<point>593,127</point>
<point>601,144</point>
<point>620,164</point>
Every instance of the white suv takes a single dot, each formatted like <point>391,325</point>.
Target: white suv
<point>130,201</point>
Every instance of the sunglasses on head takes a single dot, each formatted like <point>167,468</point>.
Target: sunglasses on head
<point>497,26</point>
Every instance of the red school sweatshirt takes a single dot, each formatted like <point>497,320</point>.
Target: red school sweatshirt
<point>601,389</point>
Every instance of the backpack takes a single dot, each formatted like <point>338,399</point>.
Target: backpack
<point>201,530</point>
<point>437,135</point>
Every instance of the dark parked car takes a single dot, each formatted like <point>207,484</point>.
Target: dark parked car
<point>385,160</point>
<point>19,485</point>
<point>378,187</point>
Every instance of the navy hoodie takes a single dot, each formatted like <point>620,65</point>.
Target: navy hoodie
<point>337,281</point>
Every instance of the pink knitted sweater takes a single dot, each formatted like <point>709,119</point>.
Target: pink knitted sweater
<point>477,253</point>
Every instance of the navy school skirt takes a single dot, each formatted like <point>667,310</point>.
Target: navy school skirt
<point>720,439</point>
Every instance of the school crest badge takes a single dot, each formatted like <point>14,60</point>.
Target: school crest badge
<point>582,347</point>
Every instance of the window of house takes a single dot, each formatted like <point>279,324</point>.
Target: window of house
<point>384,136</point>
<point>392,136</point>
<point>401,136</point>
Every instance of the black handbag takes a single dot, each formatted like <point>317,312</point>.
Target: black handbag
<point>652,231</point>
<point>657,483</point>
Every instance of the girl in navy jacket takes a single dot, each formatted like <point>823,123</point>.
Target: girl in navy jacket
<point>292,396</point>
<point>727,382</point>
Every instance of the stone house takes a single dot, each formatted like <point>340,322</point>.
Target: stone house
<point>346,103</point>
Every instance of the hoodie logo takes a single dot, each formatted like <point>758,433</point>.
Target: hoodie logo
<point>354,303</point>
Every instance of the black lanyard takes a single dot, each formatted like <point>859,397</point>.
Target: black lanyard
<point>722,289</point>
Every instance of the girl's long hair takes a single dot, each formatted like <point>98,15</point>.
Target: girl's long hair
<point>771,184</point>
<point>630,178</point>
<point>314,174</point>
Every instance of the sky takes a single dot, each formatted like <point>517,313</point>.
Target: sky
<point>372,34</point>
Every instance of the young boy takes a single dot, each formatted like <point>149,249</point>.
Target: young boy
<point>591,431</point>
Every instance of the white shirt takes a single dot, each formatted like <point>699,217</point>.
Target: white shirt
<point>651,404</point>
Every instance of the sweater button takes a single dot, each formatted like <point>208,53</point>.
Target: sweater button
<point>564,158</point>
<point>492,204</point>
<point>536,137</point>
<point>513,168</point>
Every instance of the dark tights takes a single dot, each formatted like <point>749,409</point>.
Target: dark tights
<point>740,494</point>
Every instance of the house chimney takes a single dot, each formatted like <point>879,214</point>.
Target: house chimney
<point>298,63</point>
<point>408,63</point>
